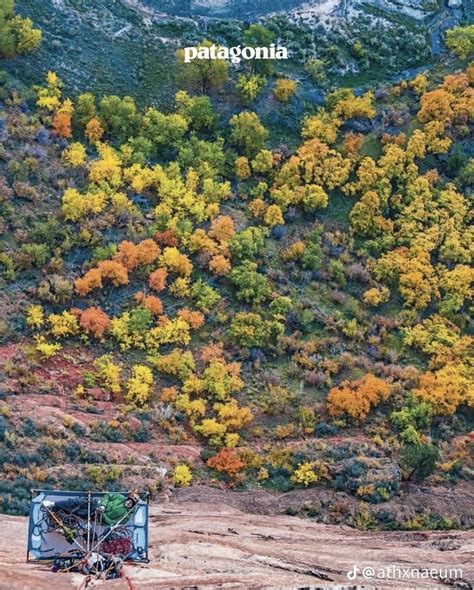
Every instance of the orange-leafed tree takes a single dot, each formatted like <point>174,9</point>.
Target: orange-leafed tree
<point>113,271</point>
<point>150,302</point>
<point>95,321</point>
<point>62,125</point>
<point>127,254</point>
<point>227,461</point>
<point>194,318</point>
<point>90,281</point>
<point>148,251</point>
<point>94,130</point>
<point>167,238</point>
<point>357,398</point>
<point>157,279</point>
<point>222,228</point>
<point>220,265</point>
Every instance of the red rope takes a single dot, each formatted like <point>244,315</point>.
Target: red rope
<point>129,581</point>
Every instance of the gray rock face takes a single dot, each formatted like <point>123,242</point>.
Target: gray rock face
<point>250,8</point>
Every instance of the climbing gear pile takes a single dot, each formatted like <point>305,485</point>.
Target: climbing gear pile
<point>90,533</point>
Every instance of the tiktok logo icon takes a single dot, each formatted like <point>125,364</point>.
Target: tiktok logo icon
<point>353,573</point>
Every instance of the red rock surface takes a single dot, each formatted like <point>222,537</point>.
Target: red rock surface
<point>209,545</point>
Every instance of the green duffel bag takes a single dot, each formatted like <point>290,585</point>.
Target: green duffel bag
<point>113,507</point>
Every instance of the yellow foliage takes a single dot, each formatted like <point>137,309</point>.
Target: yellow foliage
<point>139,386</point>
<point>107,167</point>
<point>274,216</point>
<point>242,168</point>
<point>46,349</point>
<point>174,261</point>
<point>304,474</point>
<point>444,390</point>
<point>35,316</point>
<point>175,331</point>
<point>211,429</point>
<point>285,89</point>
<point>376,296</point>
<point>233,417</point>
<point>63,324</point>
<point>109,373</point>
<point>75,154</point>
<point>182,476</point>
<point>193,409</point>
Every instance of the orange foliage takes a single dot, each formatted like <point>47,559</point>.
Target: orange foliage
<point>166,238</point>
<point>148,251</point>
<point>226,461</point>
<point>62,125</point>
<point>356,398</point>
<point>90,281</point>
<point>194,318</point>
<point>94,130</point>
<point>157,279</point>
<point>219,265</point>
<point>222,228</point>
<point>353,142</point>
<point>150,302</point>
<point>127,255</point>
<point>436,106</point>
<point>212,351</point>
<point>114,271</point>
<point>95,321</point>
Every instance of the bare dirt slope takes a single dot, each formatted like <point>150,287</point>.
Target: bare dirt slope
<point>207,545</point>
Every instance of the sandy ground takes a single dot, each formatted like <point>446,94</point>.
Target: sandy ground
<point>204,545</point>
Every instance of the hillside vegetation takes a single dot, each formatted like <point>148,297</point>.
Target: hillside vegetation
<point>187,298</point>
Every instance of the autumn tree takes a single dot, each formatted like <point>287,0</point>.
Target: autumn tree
<point>157,279</point>
<point>95,321</point>
<point>140,384</point>
<point>62,125</point>
<point>17,34</point>
<point>284,89</point>
<point>90,281</point>
<point>446,389</point>
<point>150,302</point>
<point>94,130</point>
<point>75,154</point>
<point>204,73</point>
<point>114,271</point>
<point>250,86</point>
<point>345,104</point>
<point>357,398</point>
<point>227,461</point>
<point>219,265</point>
<point>221,379</point>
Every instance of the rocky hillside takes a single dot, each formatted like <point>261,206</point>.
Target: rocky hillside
<point>128,46</point>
